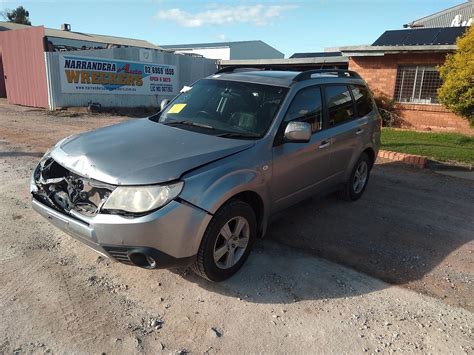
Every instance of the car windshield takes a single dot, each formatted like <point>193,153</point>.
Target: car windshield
<point>225,108</point>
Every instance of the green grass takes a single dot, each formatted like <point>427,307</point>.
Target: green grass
<point>435,146</point>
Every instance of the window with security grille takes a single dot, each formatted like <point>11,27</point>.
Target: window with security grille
<point>417,84</point>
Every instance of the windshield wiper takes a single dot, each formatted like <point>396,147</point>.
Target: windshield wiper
<point>238,135</point>
<point>188,123</point>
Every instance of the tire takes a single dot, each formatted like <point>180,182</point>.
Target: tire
<point>221,242</point>
<point>351,190</point>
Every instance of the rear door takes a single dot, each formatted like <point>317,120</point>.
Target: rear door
<point>344,127</point>
<point>367,117</point>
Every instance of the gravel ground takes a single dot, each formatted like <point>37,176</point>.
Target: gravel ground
<point>392,272</point>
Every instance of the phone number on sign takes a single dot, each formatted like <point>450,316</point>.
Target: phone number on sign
<point>161,88</point>
<point>149,69</point>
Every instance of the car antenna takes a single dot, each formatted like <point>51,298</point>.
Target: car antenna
<point>322,65</point>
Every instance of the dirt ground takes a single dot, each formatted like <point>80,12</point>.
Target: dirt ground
<point>392,272</point>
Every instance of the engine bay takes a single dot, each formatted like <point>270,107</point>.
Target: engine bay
<point>65,191</point>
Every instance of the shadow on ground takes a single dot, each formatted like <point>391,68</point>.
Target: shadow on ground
<point>275,273</point>
<point>21,154</point>
<point>405,225</point>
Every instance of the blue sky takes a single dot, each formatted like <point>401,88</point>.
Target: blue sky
<point>289,26</point>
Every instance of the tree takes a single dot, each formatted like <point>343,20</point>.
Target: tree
<point>18,15</point>
<point>457,72</point>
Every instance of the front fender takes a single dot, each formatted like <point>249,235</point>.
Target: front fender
<point>211,186</point>
<point>210,192</point>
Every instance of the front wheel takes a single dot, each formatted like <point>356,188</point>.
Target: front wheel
<point>227,241</point>
<point>355,186</point>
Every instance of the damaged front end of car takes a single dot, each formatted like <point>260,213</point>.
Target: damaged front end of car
<point>67,192</point>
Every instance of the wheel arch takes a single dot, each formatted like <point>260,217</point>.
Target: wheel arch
<point>371,154</point>
<point>255,201</point>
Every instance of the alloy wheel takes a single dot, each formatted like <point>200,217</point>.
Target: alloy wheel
<point>231,242</point>
<point>360,177</point>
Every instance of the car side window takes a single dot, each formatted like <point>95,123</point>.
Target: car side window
<point>307,106</point>
<point>363,100</point>
<point>339,103</point>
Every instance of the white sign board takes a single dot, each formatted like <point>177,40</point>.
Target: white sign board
<point>87,75</point>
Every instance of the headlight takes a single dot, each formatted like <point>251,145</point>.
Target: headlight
<point>139,199</point>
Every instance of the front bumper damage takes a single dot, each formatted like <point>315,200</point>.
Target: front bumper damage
<point>167,237</point>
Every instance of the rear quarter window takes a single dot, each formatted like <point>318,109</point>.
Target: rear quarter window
<point>363,100</point>
<point>339,103</point>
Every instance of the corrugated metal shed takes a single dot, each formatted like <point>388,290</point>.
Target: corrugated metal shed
<point>24,66</point>
<point>238,50</point>
<point>206,45</point>
<point>84,37</point>
<point>445,18</point>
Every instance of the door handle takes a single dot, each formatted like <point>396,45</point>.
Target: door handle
<point>359,131</point>
<point>324,144</point>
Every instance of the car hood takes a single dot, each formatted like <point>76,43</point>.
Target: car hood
<point>141,152</point>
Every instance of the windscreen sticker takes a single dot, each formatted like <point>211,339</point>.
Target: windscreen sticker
<point>176,108</point>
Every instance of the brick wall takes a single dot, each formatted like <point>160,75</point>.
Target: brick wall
<point>381,73</point>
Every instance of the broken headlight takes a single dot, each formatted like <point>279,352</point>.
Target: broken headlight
<point>139,199</point>
<point>46,156</point>
<point>33,187</point>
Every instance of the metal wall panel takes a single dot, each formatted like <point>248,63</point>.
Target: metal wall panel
<point>445,18</point>
<point>189,69</point>
<point>253,50</point>
<point>23,66</point>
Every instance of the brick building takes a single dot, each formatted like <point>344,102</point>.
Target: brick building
<point>402,65</point>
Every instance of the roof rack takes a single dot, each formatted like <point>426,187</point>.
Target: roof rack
<point>306,75</point>
<point>341,73</point>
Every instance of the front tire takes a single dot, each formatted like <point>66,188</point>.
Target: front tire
<point>355,186</point>
<point>227,241</point>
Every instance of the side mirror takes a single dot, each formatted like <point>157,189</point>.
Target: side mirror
<point>163,104</point>
<point>297,132</point>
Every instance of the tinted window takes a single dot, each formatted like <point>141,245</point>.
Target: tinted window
<point>339,103</point>
<point>362,100</point>
<point>307,107</point>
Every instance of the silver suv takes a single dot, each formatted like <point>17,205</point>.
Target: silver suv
<point>197,183</point>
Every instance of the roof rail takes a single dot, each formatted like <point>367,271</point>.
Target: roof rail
<point>236,70</point>
<point>341,73</point>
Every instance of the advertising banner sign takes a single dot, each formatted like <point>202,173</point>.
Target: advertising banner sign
<point>87,75</point>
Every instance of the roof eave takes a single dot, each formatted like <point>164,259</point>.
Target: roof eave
<point>374,51</point>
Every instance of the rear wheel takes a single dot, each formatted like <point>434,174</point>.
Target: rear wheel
<point>227,241</point>
<point>355,186</point>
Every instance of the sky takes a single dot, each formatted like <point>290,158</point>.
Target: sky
<point>289,26</point>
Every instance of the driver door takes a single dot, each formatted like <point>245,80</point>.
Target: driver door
<point>301,169</point>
